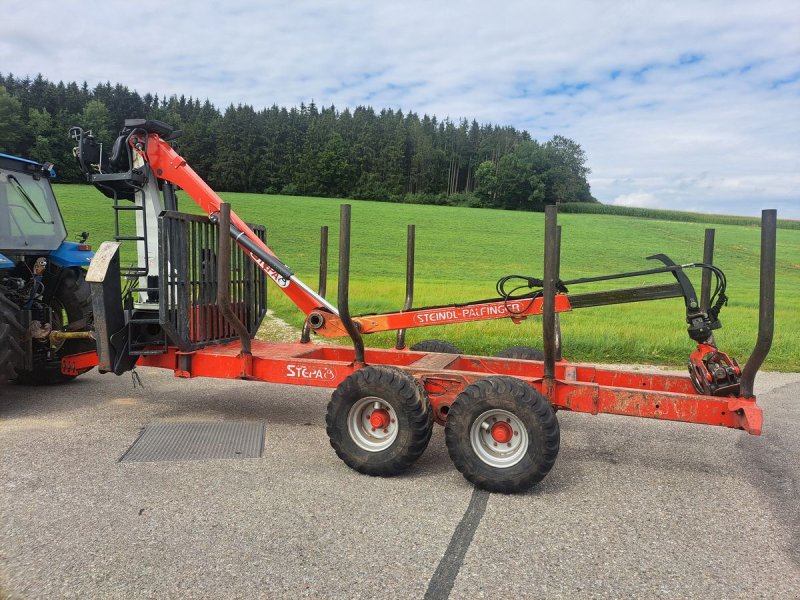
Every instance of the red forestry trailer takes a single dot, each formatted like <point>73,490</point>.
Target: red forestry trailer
<point>197,294</point>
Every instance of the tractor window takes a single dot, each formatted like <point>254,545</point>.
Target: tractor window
<point>29,218</point>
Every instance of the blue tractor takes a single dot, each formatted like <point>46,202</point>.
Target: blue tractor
<point>45,302</point>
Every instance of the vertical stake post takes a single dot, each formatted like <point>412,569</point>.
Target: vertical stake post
<point>708,259</point>
<point>323,277</point>
<point>766,303</point>
<point>409,302</point>
<point>344,285</point>
<point>549,297</point>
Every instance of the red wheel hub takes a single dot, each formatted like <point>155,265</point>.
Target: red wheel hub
<point>379,418</point>
<point>502,432</point>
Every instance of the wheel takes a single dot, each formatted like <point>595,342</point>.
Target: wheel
<point>502,434</point>
<point>521,353</point>
<point>379,421</point>
<point>71,304</point>
<point>75,297</point>
<point>12,356</point>
<point>436,346</point>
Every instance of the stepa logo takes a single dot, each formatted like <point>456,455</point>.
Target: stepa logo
<point>314,373</point>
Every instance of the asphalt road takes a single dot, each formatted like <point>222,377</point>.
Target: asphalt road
<point>633,508</point>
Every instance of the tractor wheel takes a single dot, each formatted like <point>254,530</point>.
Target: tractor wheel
<point>502,434</point>
<point>12,356</point>
<point>521,353</point>
<point>379,421</point>
<point>72,303</point>
<point>436,346</point>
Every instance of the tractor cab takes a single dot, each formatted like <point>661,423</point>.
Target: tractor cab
<point>30,222</point>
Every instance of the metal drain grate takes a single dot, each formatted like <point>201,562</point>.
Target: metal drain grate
<point>197,441</point>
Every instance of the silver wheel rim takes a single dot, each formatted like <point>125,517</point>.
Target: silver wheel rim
<point>487,437</point>
<point>363,431</point>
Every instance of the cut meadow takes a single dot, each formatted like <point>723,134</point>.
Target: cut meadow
<point>462,252</point>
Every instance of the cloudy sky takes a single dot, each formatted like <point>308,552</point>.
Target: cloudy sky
<point>686,105</point>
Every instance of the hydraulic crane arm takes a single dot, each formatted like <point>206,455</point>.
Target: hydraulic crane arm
<point>167,164</point>
<point>145,139</point>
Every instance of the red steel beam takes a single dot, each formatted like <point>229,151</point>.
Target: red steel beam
<point>578,388</point>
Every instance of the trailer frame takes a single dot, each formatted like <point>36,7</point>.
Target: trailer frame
<point>444,378</point>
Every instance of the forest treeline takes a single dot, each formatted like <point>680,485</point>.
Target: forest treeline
<point>307,150</point>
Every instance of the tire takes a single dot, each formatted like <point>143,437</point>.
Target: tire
<point>12,355</point>
<point>73,299</point>
<point>502,434</point>
<point>75,296</point>
<point>521,353</point>
<point>406,412</point>
<point>436,346</point>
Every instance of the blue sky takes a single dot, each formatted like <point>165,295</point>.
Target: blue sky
<point>684,105</point>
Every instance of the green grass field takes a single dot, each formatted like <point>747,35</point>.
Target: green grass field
<point>462,252</point>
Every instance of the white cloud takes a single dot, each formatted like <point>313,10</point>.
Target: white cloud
<point>639,199</point>
<point>694,103</point>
